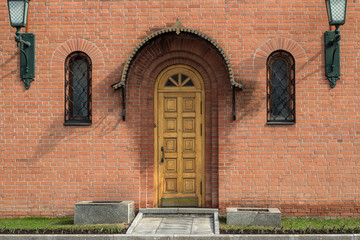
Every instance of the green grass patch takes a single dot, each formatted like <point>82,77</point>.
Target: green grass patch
<point>289,226</point>
<point>298,225</point>
<point>66,223</point>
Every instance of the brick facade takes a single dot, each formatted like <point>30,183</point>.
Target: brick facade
<point>310,168</point>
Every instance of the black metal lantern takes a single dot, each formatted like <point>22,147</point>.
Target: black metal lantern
<point>18,11</point>
<point>336,10</point>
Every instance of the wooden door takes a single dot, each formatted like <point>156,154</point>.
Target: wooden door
<point>180,138</point>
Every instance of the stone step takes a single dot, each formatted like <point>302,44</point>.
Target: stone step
<point>160,221</point>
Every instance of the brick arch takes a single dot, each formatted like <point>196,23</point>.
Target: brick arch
<point>181,57</point>
<point>162,52</point>
<point>79,44</point>
<point>289,45</point>
<point>177,29</point>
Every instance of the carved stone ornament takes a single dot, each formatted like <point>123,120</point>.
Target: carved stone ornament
<point>177,28</point>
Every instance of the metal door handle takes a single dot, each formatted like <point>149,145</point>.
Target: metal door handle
<point>163,155</point>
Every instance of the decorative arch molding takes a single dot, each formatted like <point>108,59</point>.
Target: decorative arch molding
<point>176,28</point>
<point>79,44</point>
<point>291,46</point>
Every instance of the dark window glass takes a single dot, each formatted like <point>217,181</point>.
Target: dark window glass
<point>78,71</point>
<point>183,78</point>
<point>175,78</point>
<point>280,88</point>
<point>169,83</point>
<point>189,84</point>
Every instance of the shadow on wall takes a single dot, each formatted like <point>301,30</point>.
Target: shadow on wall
<point>246,102</point>
<point>317,70</point>
<point>3,64</point>
<point>1,61</point>
<point>105,120</point>
<point>252,99</point>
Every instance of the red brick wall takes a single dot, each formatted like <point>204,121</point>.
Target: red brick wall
<point>310,168</point>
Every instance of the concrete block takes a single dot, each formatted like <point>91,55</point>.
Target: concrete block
<point>26,236</point>
<point>267,217</point>
<point>356,237</point>
<point>325,237</point>
<point>264,237</point>
<point>159,210</point>
<point>103,212</point>
<point>203,237</point>
<point>83,237</point>
<point>198,210</point>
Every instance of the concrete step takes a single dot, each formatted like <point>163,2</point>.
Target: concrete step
<point>164,221</point>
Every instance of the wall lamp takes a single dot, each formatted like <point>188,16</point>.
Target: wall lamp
<point>336,11</point>
<point>18,12</point>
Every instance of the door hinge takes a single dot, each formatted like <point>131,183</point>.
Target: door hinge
<point>200,129</point>
<point>200,187</point>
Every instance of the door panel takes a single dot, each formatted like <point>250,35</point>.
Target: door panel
<point>180,140</point>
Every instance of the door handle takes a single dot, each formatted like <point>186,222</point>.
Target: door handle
<point>163,155</point>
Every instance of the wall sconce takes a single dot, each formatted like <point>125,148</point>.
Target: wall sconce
<point>18,12</point>
<point>336,11</point>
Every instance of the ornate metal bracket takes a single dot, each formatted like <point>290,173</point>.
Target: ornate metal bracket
<point>26,42</point>
<point>234,87</point>
<point>332,56</point>
<point>123,103</point>
<point>123,99</point>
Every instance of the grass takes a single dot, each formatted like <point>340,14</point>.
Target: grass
<point>301,225</point>
<point>66,223</point>
<point>289,225</point>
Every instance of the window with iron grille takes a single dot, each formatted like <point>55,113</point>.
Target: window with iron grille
<point>280,88</point>
<point>78,71</point>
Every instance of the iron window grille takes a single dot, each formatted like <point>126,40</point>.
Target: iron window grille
<point>78,78</point>
<point>280,74</point>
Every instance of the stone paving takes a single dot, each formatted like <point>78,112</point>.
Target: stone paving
<point>175,224</point>
<point>175,221</point>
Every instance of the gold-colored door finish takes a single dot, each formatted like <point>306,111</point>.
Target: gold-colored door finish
<point>180,146</point>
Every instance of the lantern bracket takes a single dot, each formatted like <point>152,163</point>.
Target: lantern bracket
<point>26,43</point>
<point>332,56</point>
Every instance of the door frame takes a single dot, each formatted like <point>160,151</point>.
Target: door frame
<point>156,135</point>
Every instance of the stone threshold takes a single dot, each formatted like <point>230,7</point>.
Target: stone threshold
<point>183,237</point>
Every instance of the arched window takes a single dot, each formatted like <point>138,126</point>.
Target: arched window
<point>78,71</point>
<point>280,88</point>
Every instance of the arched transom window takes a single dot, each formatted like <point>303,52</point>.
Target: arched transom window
<point>179,80</point>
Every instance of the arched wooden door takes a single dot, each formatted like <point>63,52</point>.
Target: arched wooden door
<point>179,138</point>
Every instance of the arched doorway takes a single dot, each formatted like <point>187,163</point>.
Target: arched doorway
<point>150,59</point>
<point>179,137</point>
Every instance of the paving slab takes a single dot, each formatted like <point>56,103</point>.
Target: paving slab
<point>173,221</point>
<point>202,225</point>
<point>174,225</point>
<point>147,226</point>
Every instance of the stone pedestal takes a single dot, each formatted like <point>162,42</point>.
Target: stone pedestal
<point>267,217</point>
<point>103,212</point>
